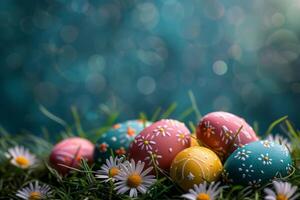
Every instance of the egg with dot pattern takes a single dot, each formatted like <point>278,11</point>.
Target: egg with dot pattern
<point>195,165</point>
<point>117,139</point>
<point>257,163</point>
<point>158,144</point>
<point>217,131</point>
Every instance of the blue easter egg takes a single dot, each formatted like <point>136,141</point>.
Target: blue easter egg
<point>257,163</point>
<point>116,140</point>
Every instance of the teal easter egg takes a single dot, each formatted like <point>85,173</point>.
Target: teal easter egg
<point>116,140</point>
<point>257,163</point>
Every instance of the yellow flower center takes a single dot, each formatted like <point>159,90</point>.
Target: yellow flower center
<point>113,172</point>
<point>146,142</point>
<point>203,196</point>
<point>134,180</point>
<point>266,144</point>
<point>35,196</point>
<point>22,161</point>
<point>281,197</point>
<point>161,130</point>
<point>181,136</point>
<point>266,158</point>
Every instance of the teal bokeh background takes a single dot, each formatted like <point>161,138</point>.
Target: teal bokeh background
<point>237,56</point>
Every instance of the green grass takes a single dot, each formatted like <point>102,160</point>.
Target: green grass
<point>81,184</point>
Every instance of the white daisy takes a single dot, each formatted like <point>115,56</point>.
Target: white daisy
<point>283,191</point>
<point>280,140</point>
<point>133,178</point>
<point>109,170</point>
<point>145,142</point>
<point>265,159</point>
<point>35,191</point>
<point>162,130</point>
<point>204,191</point>
<point>21,157</point>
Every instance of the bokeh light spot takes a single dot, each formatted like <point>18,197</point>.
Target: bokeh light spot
<point>146,15</point>
<point>69,33</point>
<point>220,67</point>
<point>96,63</point>
<point>278,19</point>
<point>146,85</point>
<point>222,103</point>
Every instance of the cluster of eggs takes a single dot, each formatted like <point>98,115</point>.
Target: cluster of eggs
<point>68,153</point>
<point>168,146</point>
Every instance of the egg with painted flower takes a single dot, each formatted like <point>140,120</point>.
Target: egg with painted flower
<point>218,131</point>
<point>257,163</point>
<point>195,165</point>
<point>158,144</point>
<point>117,139</point>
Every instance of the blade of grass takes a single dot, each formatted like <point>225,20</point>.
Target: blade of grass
<point>194,105</point>
<point>291,129</point>
<point>185,113</point>
<point>143,116</point>
<point>275,123</point>
<point>155,114</point>
<point>192,127</point>
<point>169,111</point>
<point>76,117</point>
<point>53,117</point>
<point>255,127</point>
<point>3,131</point>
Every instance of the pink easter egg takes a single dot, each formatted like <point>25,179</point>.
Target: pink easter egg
<point>160,142</point>
<point>69,152</point>
<point>217,131</point>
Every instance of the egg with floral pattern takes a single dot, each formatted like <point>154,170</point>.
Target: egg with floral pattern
<point>258,163</point>
<point>116,140</point>
<point>158,144</point>
<point>69,152</point>
<point>218,131</point>
<point>195,165</point>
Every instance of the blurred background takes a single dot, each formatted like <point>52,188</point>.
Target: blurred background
<point>133,56</point>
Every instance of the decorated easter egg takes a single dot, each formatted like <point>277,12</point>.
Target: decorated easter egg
<point>257,163</point>
<point>158,144</point>
<point>69,152</point>
<point>116,141</point>
<point>195,165</point>
<point>218,131</point>
<point>194,140</point>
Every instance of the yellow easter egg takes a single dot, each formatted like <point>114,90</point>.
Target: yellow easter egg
<point>194,141</point>
<point>195,165</point>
